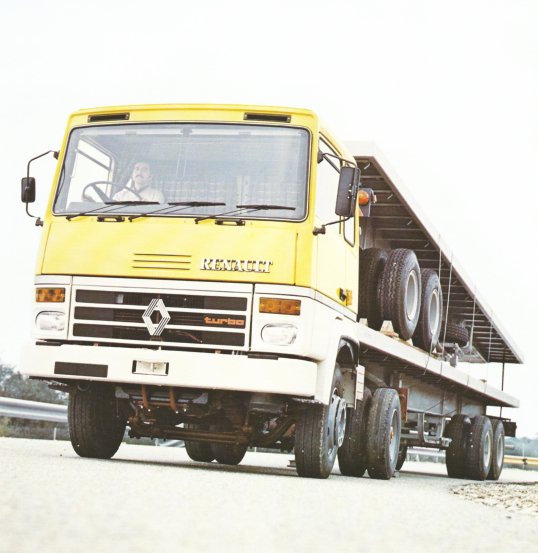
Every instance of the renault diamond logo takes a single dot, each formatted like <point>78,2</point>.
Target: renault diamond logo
<point>156,329</point>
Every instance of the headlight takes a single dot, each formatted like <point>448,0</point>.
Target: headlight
<point>279,334</point>
<point>51,321</point>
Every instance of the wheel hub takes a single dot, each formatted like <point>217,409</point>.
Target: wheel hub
<point>337,421</point>
<point>487,450</point>
<point>411,296</point>
<point>394,437</point>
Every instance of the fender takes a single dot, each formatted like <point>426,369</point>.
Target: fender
<point>342,348</point>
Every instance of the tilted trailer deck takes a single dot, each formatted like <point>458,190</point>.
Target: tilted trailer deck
<point>435,387</point>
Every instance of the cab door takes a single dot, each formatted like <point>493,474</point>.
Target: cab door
<point>331,248</point>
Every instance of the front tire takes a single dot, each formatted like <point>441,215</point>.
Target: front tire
<point>319,433</point>
<point>96,428</point>
<point>383,433</point>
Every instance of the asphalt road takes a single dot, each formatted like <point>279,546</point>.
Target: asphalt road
<point>156,499</point>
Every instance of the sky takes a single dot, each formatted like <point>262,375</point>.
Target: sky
<point>447,90</point>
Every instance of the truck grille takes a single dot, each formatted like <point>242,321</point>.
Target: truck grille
<point>193,319</point>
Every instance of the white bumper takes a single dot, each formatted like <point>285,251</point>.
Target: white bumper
<point>185,369</point>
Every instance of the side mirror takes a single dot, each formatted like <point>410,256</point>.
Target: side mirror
<point>28,190</point>
<point>347,191</point>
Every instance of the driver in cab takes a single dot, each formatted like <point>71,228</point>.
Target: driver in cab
<point>139,187</point>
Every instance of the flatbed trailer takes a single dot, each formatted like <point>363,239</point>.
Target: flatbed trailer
<point>226,302</point>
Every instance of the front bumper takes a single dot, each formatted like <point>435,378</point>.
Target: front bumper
<point>188,369</point>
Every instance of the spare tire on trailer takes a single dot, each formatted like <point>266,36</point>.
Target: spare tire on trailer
<point>400,291</point>
<point>427,332</point>
<point>455,332</point>
<point>372,261</point>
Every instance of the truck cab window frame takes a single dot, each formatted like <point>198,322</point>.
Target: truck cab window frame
<point>233,164</point>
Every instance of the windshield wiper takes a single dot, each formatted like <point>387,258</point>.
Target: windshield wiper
<point>242,209</point>
<point>112,204</point>
<point>173,207</point>
<point>256,207</point>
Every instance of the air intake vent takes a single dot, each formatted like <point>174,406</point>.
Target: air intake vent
<point>108,117</point>
<point>273,117</point>
<point>166,261</point>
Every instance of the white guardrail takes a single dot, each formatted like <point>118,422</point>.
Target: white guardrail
<point>35,410</point>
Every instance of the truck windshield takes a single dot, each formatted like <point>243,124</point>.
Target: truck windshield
<point>208,169</point>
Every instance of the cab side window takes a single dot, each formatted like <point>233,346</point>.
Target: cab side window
<point>326,190</point>
<point>327,185</point>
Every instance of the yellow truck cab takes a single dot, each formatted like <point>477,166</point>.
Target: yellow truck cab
<point>198,279</point>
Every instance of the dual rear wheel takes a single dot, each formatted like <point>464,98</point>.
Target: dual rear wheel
<point>367,438</point>
<point>372,440</point>
<point>477,448</point>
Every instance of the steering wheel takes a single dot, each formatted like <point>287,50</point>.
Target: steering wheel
<point>102,196</point>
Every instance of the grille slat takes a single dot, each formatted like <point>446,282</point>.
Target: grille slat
<point>195,337</point>
<point>196,301</point>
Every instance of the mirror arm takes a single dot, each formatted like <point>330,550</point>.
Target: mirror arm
<point>55,153</point>
<point>321,230</point>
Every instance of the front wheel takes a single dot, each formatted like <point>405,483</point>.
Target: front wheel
<point>95,426</point>
<point>319,433</point>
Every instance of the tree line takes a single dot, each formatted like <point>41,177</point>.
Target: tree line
<point>14,384</point>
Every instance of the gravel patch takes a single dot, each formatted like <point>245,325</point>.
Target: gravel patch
<point>521,497</point>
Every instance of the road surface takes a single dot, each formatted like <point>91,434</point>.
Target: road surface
<point>156,499</point>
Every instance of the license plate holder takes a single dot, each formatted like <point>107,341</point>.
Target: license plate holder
<point>156,368</point>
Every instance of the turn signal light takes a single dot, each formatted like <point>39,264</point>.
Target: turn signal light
<point>277,305</point>
<point>363,197</point>
<point>50,295</point>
